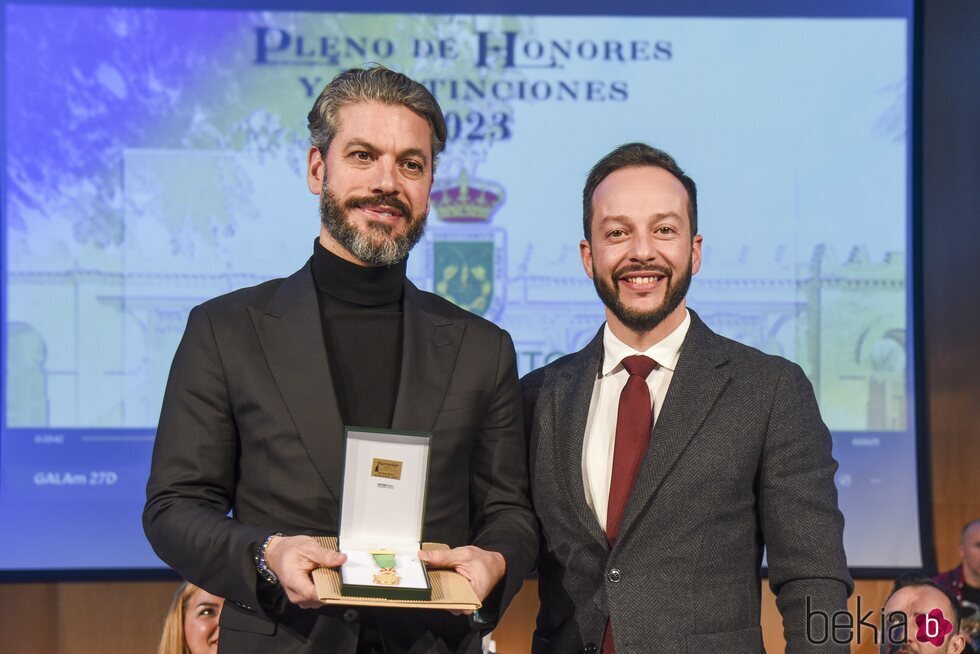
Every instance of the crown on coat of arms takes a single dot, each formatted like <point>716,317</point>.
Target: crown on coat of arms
<point>467,200</point>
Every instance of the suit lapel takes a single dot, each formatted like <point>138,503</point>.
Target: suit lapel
<point>430,346</point>
<point>698,380</point>
<point>570,406</point>
<point>291,336</point>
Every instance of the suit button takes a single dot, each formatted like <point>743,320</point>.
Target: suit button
<point>614,575</point>
<point>591,649</point>
<point>350,615</point>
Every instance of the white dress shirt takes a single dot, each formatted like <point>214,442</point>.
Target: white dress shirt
<point>600,430</point>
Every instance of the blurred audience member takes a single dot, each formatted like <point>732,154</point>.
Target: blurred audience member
<point>191,626</point>
<point>963,582</point>
<point>917,598</point>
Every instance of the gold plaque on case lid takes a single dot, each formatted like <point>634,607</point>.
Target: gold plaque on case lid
<point>386,468</point>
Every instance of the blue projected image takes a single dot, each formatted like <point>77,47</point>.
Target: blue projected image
<point>163,164</point>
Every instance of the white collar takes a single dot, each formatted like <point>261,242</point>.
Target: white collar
<point>665,352</point>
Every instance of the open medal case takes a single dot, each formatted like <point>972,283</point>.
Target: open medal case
<point>382,512</point>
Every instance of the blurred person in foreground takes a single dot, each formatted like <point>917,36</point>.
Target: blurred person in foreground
<point>265,379</point>
<point>665,458</point>
<point>921,618</point>
<point>191,626</point>
<point>963,582</point>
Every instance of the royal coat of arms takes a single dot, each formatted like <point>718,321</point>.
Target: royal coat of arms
<point>468,254</point>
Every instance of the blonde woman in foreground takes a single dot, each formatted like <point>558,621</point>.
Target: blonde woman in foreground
<point>191,626</point>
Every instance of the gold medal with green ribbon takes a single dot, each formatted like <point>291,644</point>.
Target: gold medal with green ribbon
<point>386,561</point>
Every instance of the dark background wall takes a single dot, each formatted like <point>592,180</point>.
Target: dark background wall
<point>83,618</point>
<point>951,254</point>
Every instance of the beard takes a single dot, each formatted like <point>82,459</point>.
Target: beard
<point>894,648</point>
<point>644,321</point>
<point>377,244</point>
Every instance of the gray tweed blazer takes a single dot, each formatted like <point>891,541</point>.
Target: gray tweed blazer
<point>739,461</point>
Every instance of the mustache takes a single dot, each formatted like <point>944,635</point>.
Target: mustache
<point>380,201</point>
<point>639,268</point>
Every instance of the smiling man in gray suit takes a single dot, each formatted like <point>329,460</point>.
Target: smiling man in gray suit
<point>664,458</point>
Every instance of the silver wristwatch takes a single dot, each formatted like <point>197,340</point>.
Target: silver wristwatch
<point>262,565</point>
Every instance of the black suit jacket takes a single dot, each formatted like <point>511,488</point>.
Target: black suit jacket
<point>739,459</point>
<point>250,442</point>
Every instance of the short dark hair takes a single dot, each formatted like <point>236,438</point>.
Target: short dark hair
<point>634,155</point>
<point>374,84</point>
<point>916,581</point>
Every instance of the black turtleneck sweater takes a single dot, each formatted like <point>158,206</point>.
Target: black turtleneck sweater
<point>361,316</point>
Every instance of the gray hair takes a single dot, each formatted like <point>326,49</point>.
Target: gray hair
<point>374,84</point>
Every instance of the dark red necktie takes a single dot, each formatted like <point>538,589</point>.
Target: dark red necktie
<point>633,426</point>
